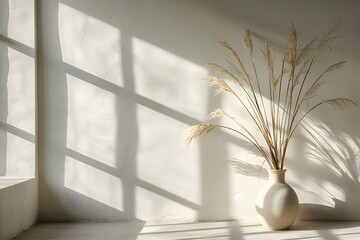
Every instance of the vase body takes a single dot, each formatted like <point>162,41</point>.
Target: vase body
<point>277,204</point>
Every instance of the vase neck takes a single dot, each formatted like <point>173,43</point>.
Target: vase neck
<point>277,175</point>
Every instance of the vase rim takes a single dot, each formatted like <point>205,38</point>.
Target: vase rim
<point>276,170</point>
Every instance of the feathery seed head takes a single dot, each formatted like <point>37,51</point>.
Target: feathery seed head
<point>215,114</point>
<point>248,41</point>
<point>197,131</point>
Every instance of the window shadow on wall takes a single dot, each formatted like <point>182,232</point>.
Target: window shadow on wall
<point>17,81</point>
<point>60,203</point>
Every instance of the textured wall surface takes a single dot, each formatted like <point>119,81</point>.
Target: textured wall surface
<point>119,82</point>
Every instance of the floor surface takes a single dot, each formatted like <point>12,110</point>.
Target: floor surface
<point>191,230</point>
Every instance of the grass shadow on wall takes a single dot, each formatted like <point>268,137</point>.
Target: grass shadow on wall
<point>249,169</point>
<point>333,160</point>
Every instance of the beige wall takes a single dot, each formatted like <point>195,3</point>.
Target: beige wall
<point>119,82</point>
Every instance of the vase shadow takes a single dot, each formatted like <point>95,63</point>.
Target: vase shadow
<point>319,212</point>
<point>312,217</point>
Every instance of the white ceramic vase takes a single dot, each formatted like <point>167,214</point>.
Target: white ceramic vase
<point>277,204</point>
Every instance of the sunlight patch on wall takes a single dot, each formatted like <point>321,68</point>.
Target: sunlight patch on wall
<point>93,183</point>
<point>168,165</point>
<point>89,44</point>
<point>21,21</point>
<point>19,155</point>
<point>92,121</point>
<point>169,79</point>
<point>21,91</point>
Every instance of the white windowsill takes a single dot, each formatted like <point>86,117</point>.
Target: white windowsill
<point>8,181</point>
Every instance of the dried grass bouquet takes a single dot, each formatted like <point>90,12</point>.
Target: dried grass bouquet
<point>291,93</point>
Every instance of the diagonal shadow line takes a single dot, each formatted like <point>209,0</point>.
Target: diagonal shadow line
<point>18,46</point>
<point>146,102</point>
<point>95,201</point>
<point>166,194</point>
<point>115,89</point>
<point>169,228</point>
<point>141,183</point>
<point>189,231</point>
<point>92,162</point>
<point>195,230</point>
<point>18,132</point>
